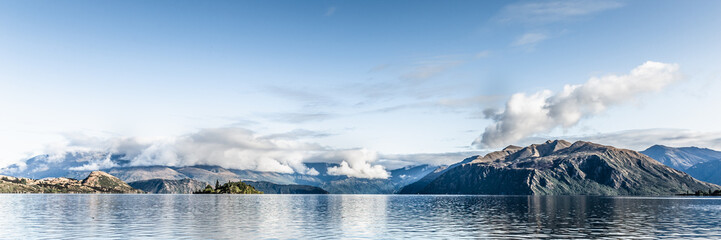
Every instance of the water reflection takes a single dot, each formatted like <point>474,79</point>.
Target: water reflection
<point>354,216</point>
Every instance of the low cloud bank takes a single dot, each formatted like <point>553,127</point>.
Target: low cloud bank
<point>640,139</point>
<point>235,148</point>
<point>529,114</point>
<point>357,163</point>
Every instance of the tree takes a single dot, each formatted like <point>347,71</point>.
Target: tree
<point>217,184</point>
<point>208,189</point>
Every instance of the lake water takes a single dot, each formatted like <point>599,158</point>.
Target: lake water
<point>36,216</point>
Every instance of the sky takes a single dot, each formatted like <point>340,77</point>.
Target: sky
<point>267,85</point>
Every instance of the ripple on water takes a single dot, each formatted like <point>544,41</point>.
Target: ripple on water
<point>354,216</point>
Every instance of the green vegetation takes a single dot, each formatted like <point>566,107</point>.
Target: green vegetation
<point>229,188</point>
<point>703,193</point>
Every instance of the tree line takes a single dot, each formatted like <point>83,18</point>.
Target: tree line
<point>238,187</point>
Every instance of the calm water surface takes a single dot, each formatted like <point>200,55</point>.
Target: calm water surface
<point>354,216</point>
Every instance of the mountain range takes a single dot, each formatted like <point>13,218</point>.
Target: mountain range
<point>561,168</point>
<point>157,179</point>
<point>681,158</point>
<point>701,163</point>
<point>551,168</point>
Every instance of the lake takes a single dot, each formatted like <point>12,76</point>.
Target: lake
<point>62,216</point>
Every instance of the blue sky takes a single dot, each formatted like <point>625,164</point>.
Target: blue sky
<point>400,77</point>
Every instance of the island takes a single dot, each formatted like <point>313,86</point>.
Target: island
<point>238,187</point>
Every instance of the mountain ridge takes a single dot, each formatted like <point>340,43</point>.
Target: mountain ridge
<point>561,168</point>
<point>96,182</point>
<point>681,158</point>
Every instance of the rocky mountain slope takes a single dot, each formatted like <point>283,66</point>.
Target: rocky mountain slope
<point>166,186</point>
<point>709,171</point>
<point>96,182</point>
<point>561,168</point>
<point>188,186</point>
<point>272,188</point>
<point>681,158</point>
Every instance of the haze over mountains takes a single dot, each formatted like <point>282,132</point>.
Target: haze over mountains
<point>141,176</point>
<point>681,158</point>
<point>551,168</point>
<point>702,163</point>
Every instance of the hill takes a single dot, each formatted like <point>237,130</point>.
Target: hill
<point>272,188</point>
<point>96,182</point>
<point>561,168</point>
<point>165,186</point>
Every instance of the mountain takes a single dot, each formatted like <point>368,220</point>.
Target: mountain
<point>706,171</point>
<point>96,182</point>
<point>423,182</point>
<point>272,188</point>
<point>78,165</point>
<point>701,163</point>
<point>681,158</point>
<point>166,186</point>
<point>415,187</point>
<point>561,168</point>
<point>187,186</point>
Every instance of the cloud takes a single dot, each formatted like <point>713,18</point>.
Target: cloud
<point>291,117</point>
<point>553,11</point>
<point>483,54</point>
<point>308,98</point>
<point>640,139</point>
<point>543,111</point>
<point>298,134</point>
<point>530,39</point>
<point>357,163</point>
<point>429,69</point>
<point>444,104</point>
<point>235,148</point>
<point>93,165</point>
<point>393,161</point>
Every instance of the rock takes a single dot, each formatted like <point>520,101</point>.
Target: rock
<point>183,186</point>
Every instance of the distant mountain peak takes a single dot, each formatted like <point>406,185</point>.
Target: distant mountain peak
<point>103,180</point>
<point>511,148</point>
<point>681,158</point>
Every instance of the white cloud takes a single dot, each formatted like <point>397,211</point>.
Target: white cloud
<point>96,165</point>
<point>431,67</point>
<point>357,163</point>
<point>640,139</point>
<point>483,54</point>
<point>543,111</point>
<point>542,12</point>
<point>530,39</point>
<point>235,148</point>
<point>393,161</point>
